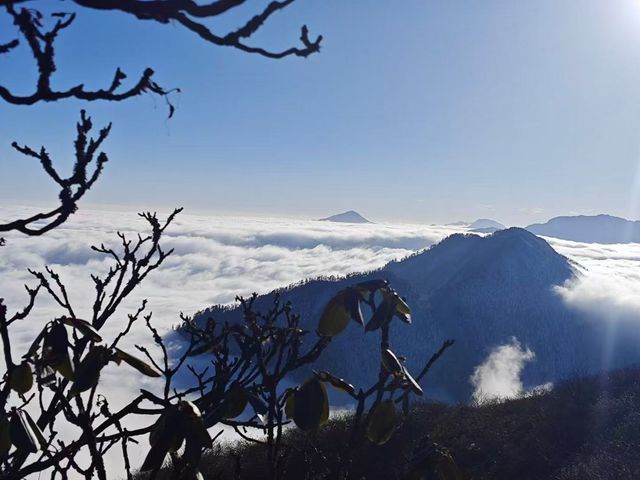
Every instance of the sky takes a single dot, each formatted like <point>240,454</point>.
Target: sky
<point>414,111</point>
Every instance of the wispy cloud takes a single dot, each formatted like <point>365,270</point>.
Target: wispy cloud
<point>531,210</point>
<point>498,377</point>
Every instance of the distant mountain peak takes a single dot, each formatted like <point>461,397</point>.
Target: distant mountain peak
<point>350,216</point>
<point>486,225</point>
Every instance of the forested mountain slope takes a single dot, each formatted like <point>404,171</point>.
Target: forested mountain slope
<point>480,291</point>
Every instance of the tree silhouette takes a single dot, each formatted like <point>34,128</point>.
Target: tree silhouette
<point>56,382</point>
<point>40,32</point>
<point>186,13</point>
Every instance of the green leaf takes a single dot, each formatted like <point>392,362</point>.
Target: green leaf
<point>21,434</point>
<point>352,304</point>
<point>46,375</point>
<point>412,383</point>
<point>136,363</point>
<point>391,363</point>
<point>310,407</point>
<point>195,431</point>
<point>401,306</point>
<point>88,372</point>
<point>157,430</point>
<point>258,405</point>
<point>65,368</point>
<point>383,422</point>
<point>235,401</point>
<point>55,351</point>
<point>199,434</point>
<point>5,436</point>
<point>289,405</point>
<point>324,418</point>
<point>155,457</point>
<point>21,378</point>
<point>402,310</point>
<point>55,345</point>
<point>381,316</point>
<point>336,382</point>
<point>403,317</point>
<point>335,317</point>
<point>167,434</point>
<point>35,429</point>
<point>84,327</point>
<point>189,409</point>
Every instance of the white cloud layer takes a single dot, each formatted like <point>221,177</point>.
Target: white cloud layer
<point>608,287</point>
<point>217,258</point>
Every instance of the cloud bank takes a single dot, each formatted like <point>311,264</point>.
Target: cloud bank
<point>498,377</point>
<point>608,285</point>
<point>217,258</point>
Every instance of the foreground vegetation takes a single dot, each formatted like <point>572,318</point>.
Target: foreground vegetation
<point>587,429</point>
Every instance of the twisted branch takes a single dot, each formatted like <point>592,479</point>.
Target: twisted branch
<point>73,187</point>
<point>188,13</point>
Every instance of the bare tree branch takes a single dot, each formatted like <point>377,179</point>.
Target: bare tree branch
<point>41,41</point>
<point>72,187</point>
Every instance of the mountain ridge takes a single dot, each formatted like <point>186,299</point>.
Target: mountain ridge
<point>481,291</point>
<point>602,228</point>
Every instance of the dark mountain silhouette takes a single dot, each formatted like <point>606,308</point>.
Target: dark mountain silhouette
<point>480,291</point>
<point>590,229</point>
<point>346,217</point>
<point>486,223</point>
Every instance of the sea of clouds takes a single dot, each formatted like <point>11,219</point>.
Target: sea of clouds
<point>214,260</point>
<point>218,257</point>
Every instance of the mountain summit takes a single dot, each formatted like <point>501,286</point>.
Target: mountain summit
<point>346,217</point>
<point>486,225</point>
<point>480,291</point>
<point>590,229</point>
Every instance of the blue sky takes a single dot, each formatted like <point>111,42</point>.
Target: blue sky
<point>422,111</point>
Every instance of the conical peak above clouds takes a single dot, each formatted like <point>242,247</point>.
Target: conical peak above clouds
<point>346,217</point>
<point>486,225</point>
